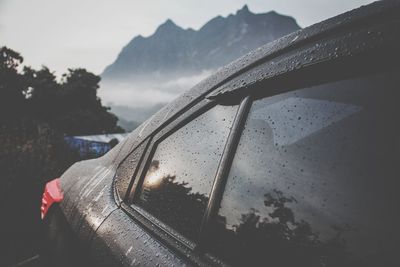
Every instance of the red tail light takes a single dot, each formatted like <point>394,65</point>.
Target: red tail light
<point>52,193</point>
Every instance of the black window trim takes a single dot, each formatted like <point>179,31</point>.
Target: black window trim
<point>142,157</point>
<point>223,168</point>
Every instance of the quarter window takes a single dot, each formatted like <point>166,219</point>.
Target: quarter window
<point>178,181</point>
<point>126,170</point>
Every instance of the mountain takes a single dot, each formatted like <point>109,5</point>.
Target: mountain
<point>151,71</point>
<point>175,52</point>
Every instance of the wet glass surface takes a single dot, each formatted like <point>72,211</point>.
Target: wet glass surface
<point>314,181</point>
<point>126,170</point>
<point>177,185</point>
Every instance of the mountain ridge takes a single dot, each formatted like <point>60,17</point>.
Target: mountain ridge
<point>174,51</point>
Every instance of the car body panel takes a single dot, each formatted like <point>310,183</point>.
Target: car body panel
<point>134,247</point>
<point>91,202</point>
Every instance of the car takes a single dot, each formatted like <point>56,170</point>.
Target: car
<point>288,156</point>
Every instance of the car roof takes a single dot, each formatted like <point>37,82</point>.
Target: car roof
<point>354,18</point>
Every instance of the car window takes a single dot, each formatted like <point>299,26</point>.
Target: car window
<point>126,170</point>
<point>178,181</point>
<point>314,181</point>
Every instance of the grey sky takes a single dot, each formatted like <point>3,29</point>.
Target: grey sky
<point>90,33</point>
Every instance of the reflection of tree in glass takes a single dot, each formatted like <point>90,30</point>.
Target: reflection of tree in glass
<point>278,239</point>
<point>175,204</point>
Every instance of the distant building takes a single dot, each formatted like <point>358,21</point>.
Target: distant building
<point>91,146</point>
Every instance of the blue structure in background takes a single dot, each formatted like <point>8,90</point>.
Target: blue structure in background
<point>91,146</point>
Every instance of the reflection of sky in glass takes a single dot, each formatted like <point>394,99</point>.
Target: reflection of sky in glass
<point>295,118</point>
<point>285,126</point>
<point>193,152</point>
<point>271,131</point>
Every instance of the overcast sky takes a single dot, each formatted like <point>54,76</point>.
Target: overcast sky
<point>90,33</point>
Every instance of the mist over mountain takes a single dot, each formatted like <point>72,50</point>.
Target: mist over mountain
<point>155,69</point>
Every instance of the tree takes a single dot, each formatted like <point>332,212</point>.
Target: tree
<point>11,85</point>
<point>81,110</point>
<point>42,94</point>
<point>70,106</point>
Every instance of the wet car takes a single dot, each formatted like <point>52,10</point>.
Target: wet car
<point>288,156</point>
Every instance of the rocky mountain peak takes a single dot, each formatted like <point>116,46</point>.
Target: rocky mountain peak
<point>244,11</point>
<point>173,51</point>
<point>168,25</point>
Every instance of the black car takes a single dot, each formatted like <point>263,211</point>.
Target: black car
<point>288,156</point>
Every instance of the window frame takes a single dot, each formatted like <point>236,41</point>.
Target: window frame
<point>163,135</point>
<point>121,198</point>
<point>165,233</point>
<point>277,82</point>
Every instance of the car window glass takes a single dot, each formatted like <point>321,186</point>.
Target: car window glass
<point>314,181</point>
<point>125,171</point>
<point>177,184</point>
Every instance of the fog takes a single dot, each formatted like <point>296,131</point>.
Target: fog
<point>135,101</point>
<point>145,91</point>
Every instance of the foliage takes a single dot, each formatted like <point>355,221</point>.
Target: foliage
<point>70,106</point>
